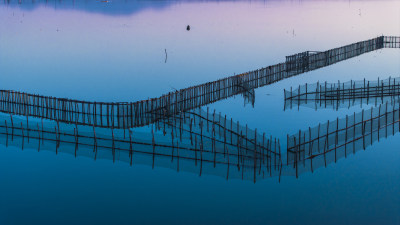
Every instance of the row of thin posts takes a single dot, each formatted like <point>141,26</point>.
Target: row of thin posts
<point>199,139</point>
<point>307,61</point>
<point>337,94</point>
<point>341,137</point>
<point>391,42</point>
<point>124,115</point>
<point>250,149</point>
<point>322,59</point>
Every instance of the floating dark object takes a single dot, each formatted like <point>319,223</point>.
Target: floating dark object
<point>188,27</point>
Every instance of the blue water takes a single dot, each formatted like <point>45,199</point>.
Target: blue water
<point>115,51</point>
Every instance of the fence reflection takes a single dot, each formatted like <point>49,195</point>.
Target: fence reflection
<point>196,141</point>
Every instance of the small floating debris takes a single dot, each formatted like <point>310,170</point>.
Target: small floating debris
<point>188,27</point>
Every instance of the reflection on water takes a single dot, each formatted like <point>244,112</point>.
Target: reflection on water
<point>124,56</point>
<point>116,52</point>
<point>207,143</point>
<point>198,137</point>
<point>194,141</point>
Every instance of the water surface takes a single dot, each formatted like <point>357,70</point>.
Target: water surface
<point>115,51</point>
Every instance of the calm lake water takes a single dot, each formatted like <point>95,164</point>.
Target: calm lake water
<point>134,50</point>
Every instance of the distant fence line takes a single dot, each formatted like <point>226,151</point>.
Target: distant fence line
<point>336,94</point>
<point>135,114</point>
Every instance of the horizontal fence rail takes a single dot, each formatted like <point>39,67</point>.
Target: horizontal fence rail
<point>343,94</point>
<point>135,114</point>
